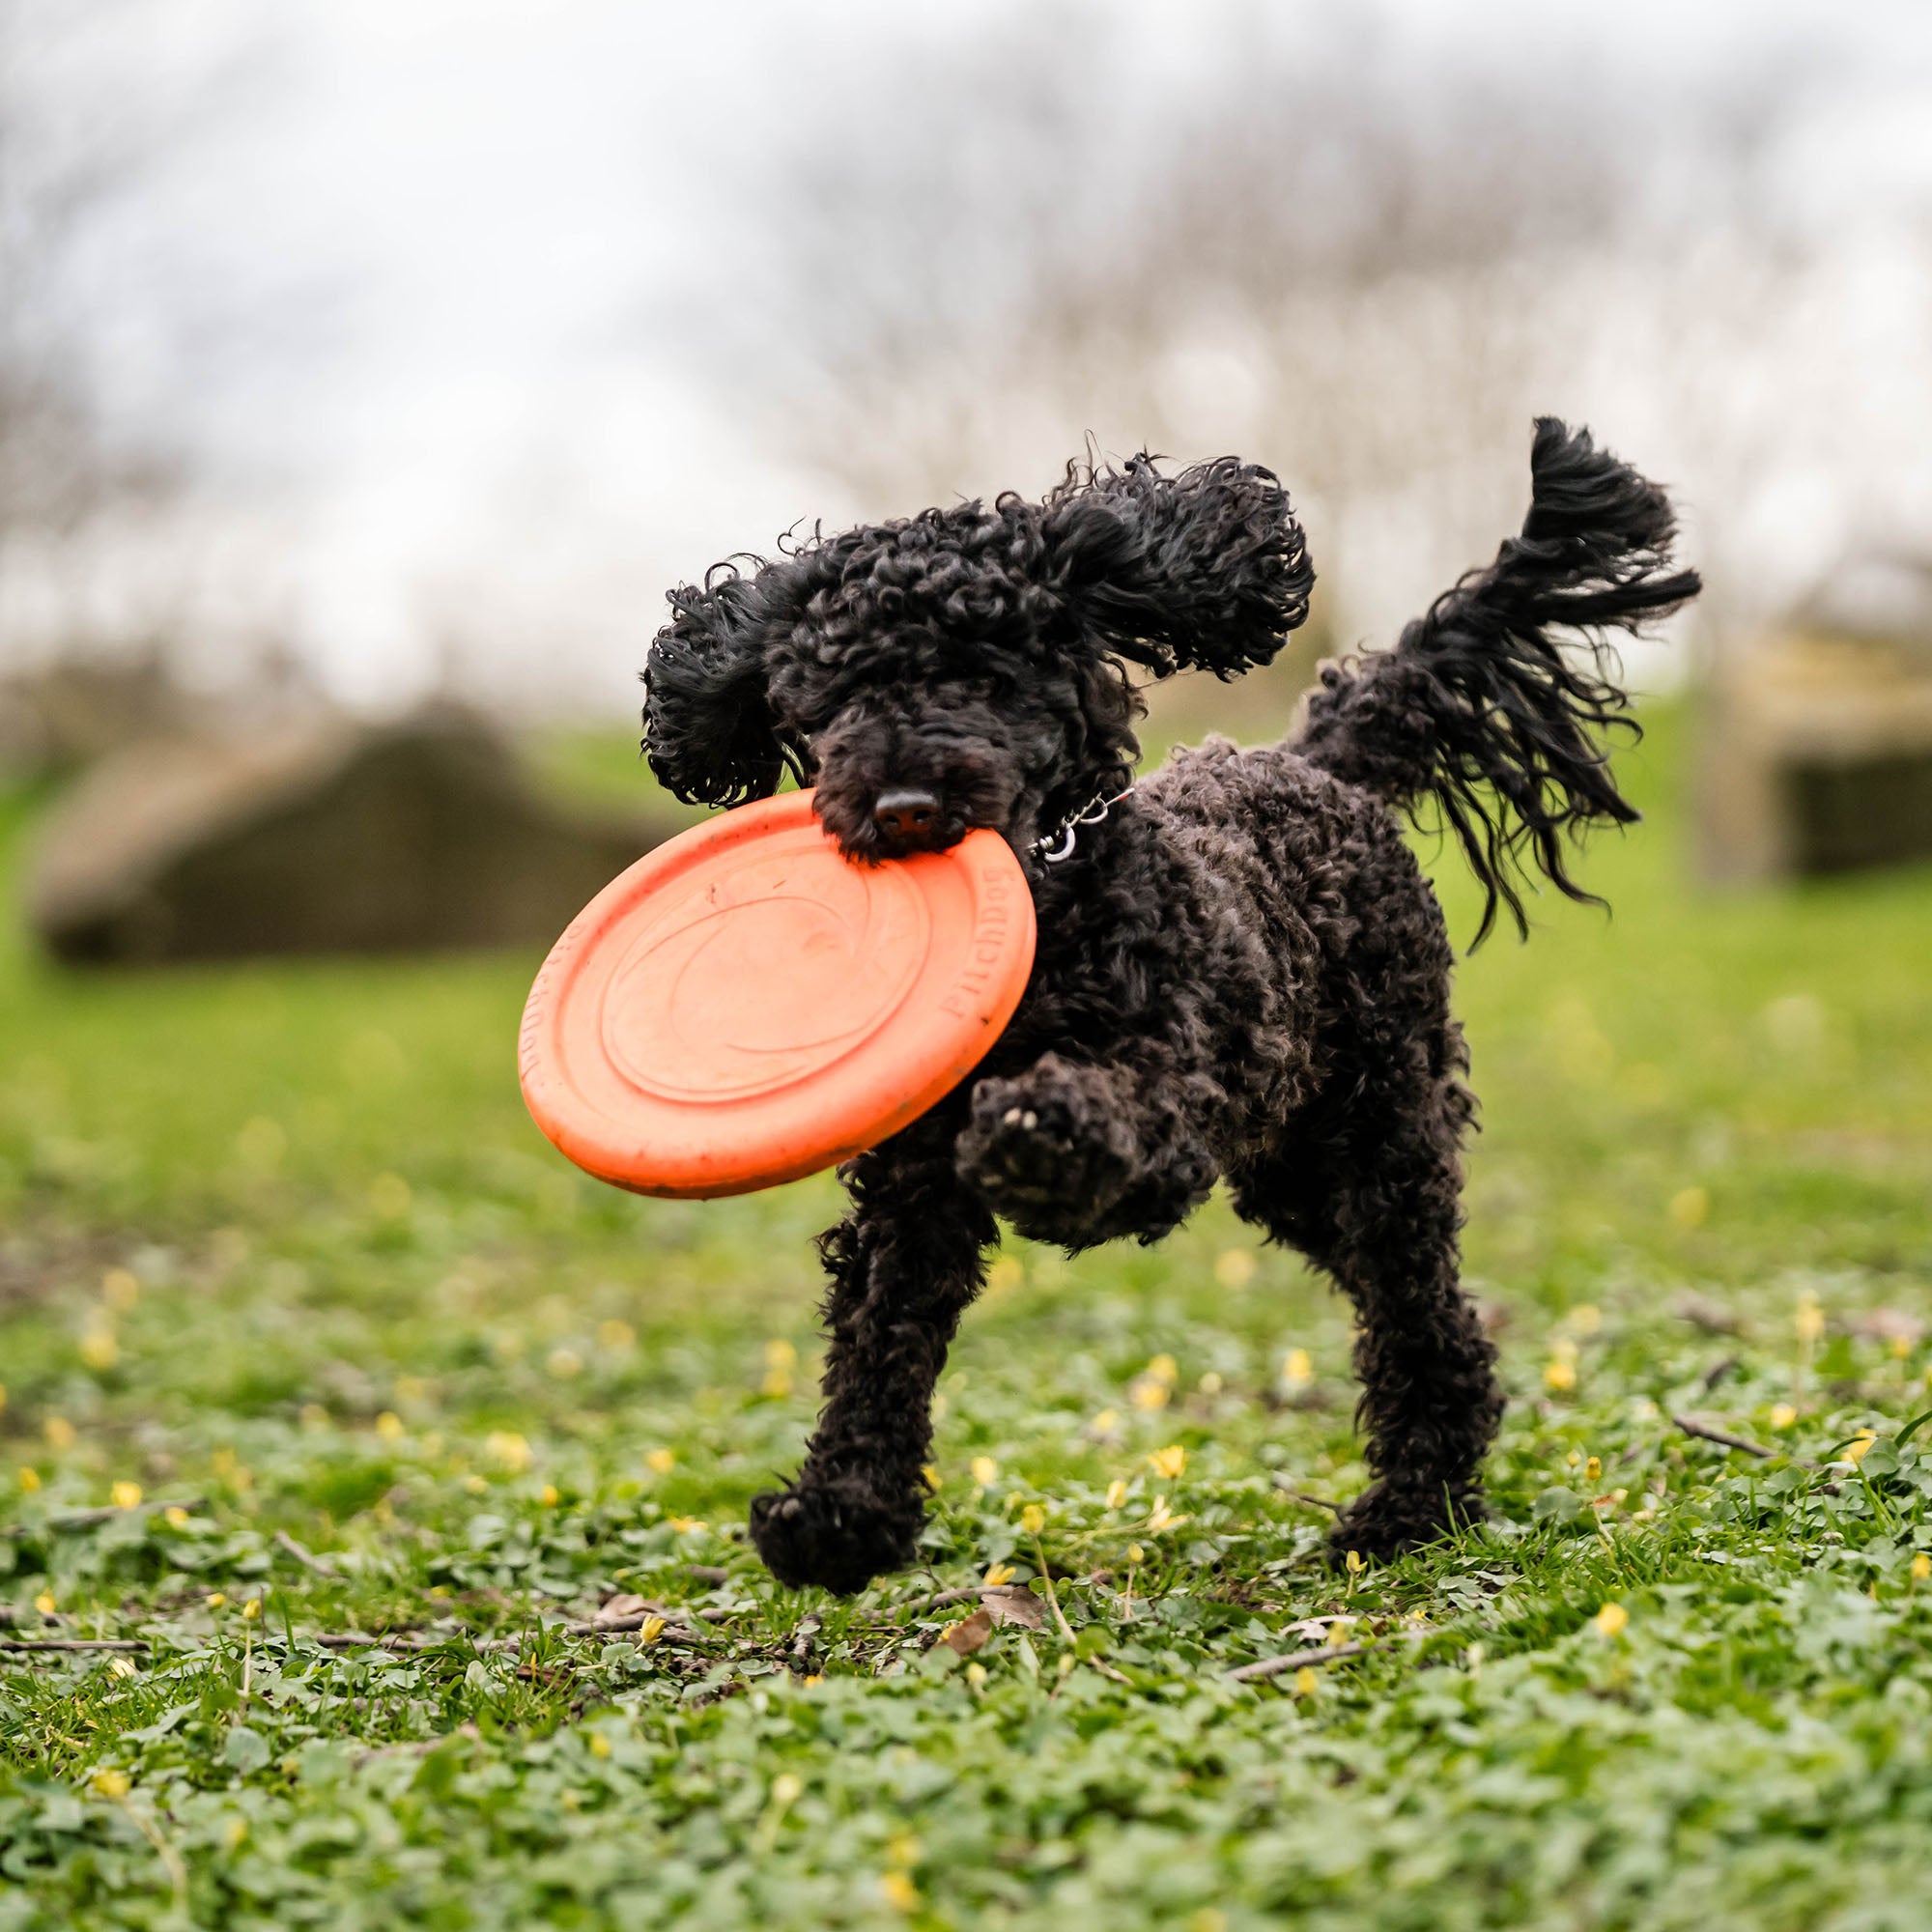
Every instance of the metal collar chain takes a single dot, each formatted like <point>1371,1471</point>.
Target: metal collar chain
<point>1053,849</point>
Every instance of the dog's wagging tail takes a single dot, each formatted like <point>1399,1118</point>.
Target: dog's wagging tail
<point>1481,708</point>
<point>1241,974</point>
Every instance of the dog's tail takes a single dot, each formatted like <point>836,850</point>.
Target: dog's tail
<point>1480,708</point>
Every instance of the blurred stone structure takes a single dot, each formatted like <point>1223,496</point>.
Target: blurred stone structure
<point>323,835</point>
<point>1816,743</point>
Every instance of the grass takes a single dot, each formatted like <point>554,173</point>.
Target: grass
<point>285,1259</point>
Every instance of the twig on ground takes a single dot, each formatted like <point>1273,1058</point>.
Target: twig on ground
<point>1295,1660</point>
<point>32,1643</point>
<point>307,1557</point>
<point>1296,1496</point>
<point>707,1573</point>
<point>1692,1425</point>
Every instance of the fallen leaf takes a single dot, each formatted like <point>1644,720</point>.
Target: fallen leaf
<point>1013,1604</point>
<point>970,1633</point>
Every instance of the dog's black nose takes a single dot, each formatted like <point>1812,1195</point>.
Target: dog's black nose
<point>908,818</point>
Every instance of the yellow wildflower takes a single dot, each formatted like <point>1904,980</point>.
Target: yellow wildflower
<point>787,1788</point>
<point>110,1783</point>
<point>930,1477</point>
<point>1117,1493</point>
<point>1170,1461</point>
<point>551,1496</point>
<point>1592,1469</point>
<point>660,1461</point>
<point>216,1599</point>
<point>985,1471</point>
<point>389,1196</point>
<point>1161,1517</point>
<point>476,1485</point>
<point>1305,1682</point>
<point>1354,1563</point>
<point>98,1349</point>
<point>177,1517</point>
<point>1809,1320</point>
<point>1163,1369</point>
<point>389,1426</point>
<point>1586,1318</point>
<point>121,1289</point>
<point>650,1630</point>
<point>1921,1567</point>
<point>235,1834</point>
<point>1689,1206</point>
<point>507,1447</point>
<point>1559,1375</point>
<point>45,1604</point>
<point>617,1336</point>
<point>598,1745</point>
<point>1609,1621</point>
<point>1855,1451</point>
<point>976,1676</point>
<point>904,1851</point>
<point>1298,1369</point>
<point>60,1432</point>
<point>1149,1394</point>
<point>1106,1423</point>
<point>251,1610</point>
<point>564,1363</point>
<point>1235,1268</point>
<point>1135,1553</point>
<point>1032,1519</point>
<point>1209,1383</point>
<point>685,1525</point>
<point>818,1677</point>
<point>996,1575</point>
<point>1782,1415</point>
<point>118,1667</point>
<point>126,1495</point>
<point>30,1479</point>
<point>899,1890</point>
<point>777,1385</point>
<point>1005,1275</point>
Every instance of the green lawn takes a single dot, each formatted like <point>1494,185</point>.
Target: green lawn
<point>287,1273</point>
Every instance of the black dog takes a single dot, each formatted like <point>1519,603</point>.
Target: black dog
<point>1242,969</point>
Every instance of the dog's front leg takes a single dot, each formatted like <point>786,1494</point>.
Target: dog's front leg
<point>904,1264</point>
<point>1076,1151</point>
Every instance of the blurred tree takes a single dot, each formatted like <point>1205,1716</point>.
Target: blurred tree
<point>1365,262</point>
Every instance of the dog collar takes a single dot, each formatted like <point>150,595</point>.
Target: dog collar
<point>1052,848</point>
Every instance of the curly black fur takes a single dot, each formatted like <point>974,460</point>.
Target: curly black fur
<point>1241,973</point>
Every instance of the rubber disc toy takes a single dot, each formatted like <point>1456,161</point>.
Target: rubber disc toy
<point>744,1005</point>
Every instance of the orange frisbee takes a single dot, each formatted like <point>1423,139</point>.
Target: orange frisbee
<point>744,1005</point>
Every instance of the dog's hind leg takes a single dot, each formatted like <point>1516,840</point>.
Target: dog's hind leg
<point>1375,1202</point>
<point>904,1264</point>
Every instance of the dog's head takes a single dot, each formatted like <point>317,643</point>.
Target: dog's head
<point>970,667</point>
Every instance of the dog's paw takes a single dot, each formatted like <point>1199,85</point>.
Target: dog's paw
<point>839,1536</point>
<point>1049,1150</point>
<point>1395,1514</point>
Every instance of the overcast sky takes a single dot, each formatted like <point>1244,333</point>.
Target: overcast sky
<point>413,284</point>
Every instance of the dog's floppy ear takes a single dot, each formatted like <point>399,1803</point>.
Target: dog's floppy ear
<point>1204,571</point>
<point>709,727</point>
